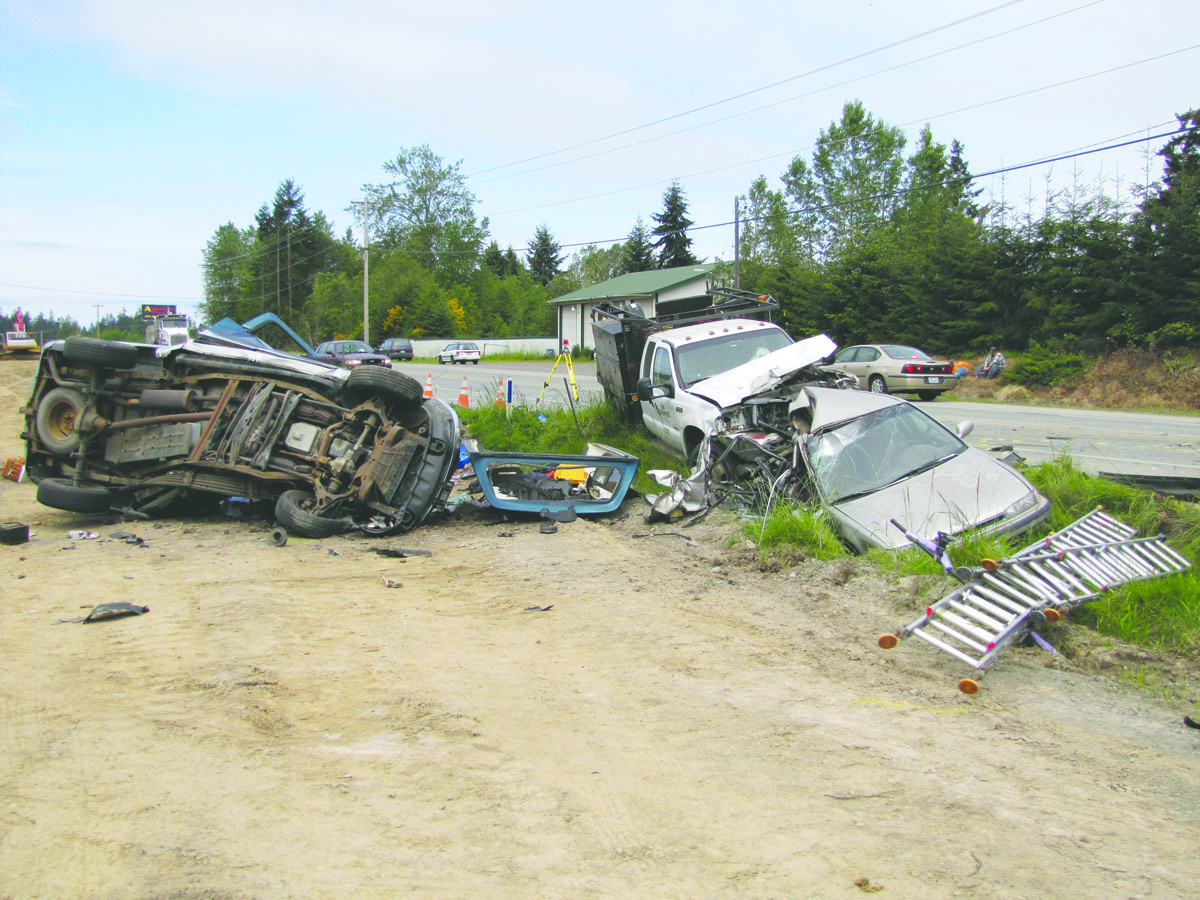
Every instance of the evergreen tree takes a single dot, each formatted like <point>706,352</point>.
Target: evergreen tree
<point>674,245</point>
<point>638,251</point>
<point>544,258</point>
<point>1166,264</point>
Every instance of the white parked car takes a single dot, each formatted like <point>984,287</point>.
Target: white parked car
<point>460,352</point>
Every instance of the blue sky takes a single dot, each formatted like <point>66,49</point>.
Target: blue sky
<point>130,129</point>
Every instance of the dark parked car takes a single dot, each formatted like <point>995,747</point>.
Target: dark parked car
<point>238,412</point>
<point>351,354</point>
<point>397,348</point>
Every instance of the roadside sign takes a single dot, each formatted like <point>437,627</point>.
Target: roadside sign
<point>150,310</point>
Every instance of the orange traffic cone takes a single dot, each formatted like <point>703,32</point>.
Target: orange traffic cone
<point>464,399</point>
<point>429,385</point>
<point>500,393</point>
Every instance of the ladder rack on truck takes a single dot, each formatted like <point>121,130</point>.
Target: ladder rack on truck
<point>620,334</point>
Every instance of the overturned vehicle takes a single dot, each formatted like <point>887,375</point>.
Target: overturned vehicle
<point>879,465</point>
<point>242,411</point>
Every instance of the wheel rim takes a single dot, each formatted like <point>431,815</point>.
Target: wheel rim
<point>60,420</point>
<point>877,385</point>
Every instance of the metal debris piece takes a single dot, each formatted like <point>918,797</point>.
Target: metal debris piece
<point>279,536</point>
<point>388,583</point>
<point>401,552</point>
<point>546,608</point>
<point>559,515</point>
<point>106,611</point>
<point>549,528</point>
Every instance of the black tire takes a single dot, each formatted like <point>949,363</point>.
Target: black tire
<point>292,512</point>
<point>928,396</point>
<point>60,493</point>
<point>103,354</point>
<point>376,381</point>
<point>877,385</point>
<point>474,361</point>
<point>441,362</point>
<point>57,416</point>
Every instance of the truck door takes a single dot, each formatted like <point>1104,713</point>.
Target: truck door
<point>661,415</point>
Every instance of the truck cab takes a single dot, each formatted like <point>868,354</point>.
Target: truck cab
<point>675,363</point>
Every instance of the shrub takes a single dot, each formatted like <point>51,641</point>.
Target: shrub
<point>1043,367</point>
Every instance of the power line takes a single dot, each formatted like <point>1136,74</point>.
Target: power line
<point>920,119</point>
<point>793,99</point>
<point>756,90</point>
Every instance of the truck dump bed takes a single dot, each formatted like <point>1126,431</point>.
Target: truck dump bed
<point>620,335</point>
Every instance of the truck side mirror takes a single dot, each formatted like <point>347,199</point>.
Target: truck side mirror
<point>648,391</point>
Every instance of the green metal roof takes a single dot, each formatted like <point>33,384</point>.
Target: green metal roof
<point>638,284</point>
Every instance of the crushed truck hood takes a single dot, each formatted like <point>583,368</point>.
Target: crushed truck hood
<point>764,373</point>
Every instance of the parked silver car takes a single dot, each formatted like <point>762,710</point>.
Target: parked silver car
<point>896,369</point>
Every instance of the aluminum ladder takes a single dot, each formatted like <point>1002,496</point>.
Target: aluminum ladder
<point>999,603</point>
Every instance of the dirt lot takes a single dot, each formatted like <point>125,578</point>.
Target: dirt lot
<point>679,723</point>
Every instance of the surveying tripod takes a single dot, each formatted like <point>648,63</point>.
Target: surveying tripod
<point>564,356</point>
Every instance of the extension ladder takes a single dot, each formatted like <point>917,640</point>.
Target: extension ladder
<point>1001,602</point>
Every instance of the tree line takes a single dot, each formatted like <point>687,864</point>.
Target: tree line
<point>867,244</point>
<point>431,270</point>
<point>866,240</point>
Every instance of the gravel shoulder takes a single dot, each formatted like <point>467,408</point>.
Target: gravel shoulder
<point>681,721</point>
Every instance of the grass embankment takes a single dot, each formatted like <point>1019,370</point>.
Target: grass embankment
<point>1161,613</point>
<point>1134,379</point>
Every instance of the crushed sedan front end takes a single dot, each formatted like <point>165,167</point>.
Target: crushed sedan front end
<point>867,459</point>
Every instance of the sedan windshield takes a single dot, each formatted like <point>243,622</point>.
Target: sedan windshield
<point>876,450</point>
<point>708,358</point>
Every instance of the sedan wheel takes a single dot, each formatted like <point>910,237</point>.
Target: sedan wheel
<point>877,385</point>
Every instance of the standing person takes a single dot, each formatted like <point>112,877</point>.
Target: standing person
<point>992,365</point>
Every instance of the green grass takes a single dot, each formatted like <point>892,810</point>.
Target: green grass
<point>793,530</point>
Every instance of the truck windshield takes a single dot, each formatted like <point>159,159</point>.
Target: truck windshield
<point>707,358</point>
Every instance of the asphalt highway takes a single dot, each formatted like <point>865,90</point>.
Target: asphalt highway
<point>1123,443</point>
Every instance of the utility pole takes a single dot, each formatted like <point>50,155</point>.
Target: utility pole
<point>97,319</point>
<point>366,205</point>
<point>737,247</point>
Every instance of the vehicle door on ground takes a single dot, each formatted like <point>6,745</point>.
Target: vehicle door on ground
<point>661,414</point>
<point>860,361</point>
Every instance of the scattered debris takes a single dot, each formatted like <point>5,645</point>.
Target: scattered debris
<point>864,884</point>
<point>333,552</point>
<point>128,538</point>
<point>546,608</point>
<point>14,469</point>
<point>81,535</point>
<point>560,515</point>
<point>401,552</point>
<point>279,536</point>
<point>14,533</point>
<point>105,611</point>
<point>388,583</point>
<point>549,528</point>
